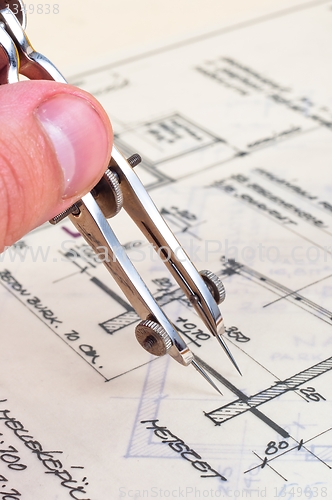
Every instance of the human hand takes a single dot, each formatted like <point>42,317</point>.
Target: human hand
<point>55,144</point>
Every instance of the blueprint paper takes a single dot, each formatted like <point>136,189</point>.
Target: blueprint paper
<point>234,128</point>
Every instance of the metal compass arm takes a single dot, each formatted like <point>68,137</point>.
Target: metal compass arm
<point>119,187</point>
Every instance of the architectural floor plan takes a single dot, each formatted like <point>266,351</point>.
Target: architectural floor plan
<point>234,127</point>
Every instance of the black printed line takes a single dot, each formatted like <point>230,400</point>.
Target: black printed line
<point>205,36</point>
<point>233,267</point>
<point>240,406</point>
<point>112,294</point>
<point>298,290</point>
<point>251,153</point>
<point>267,465</point>
<point>243,397</point>
<point>131,370</point>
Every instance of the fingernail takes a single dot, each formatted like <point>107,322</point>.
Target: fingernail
<point>79,138</point>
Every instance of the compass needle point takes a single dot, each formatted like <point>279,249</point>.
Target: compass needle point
<point>205,375</point>
<point>228,352</point>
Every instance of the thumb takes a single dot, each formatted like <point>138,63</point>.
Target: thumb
<point>55,144</point>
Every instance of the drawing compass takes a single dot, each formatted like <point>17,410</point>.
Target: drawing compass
<point>120,188</point>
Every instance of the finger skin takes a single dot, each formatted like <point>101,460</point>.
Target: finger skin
<point>31,180</point>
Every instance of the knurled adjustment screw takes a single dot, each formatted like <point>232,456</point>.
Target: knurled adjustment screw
<point>134,160</point>
<point>153,338</point>
<point>114,184</point>
<point>215,285</point>
<point>74,209</point>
